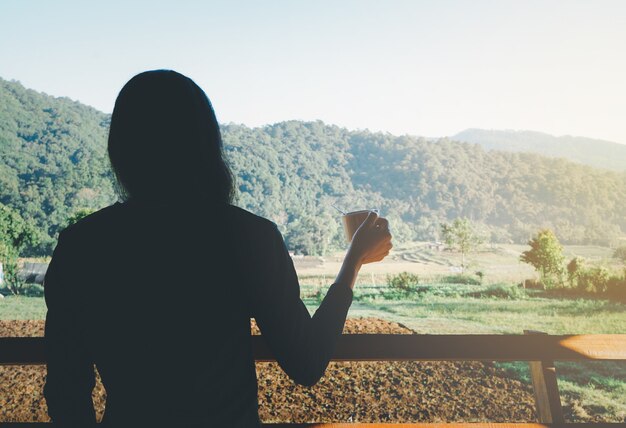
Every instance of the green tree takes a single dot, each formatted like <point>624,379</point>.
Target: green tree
<point>546,256</point>
<point>15,235</point>
<point>462,236</point>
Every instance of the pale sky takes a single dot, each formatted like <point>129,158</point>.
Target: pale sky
<point>429,68</point>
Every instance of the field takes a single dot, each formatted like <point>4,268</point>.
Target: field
<point>498,263</point>
<point>443,308</point>
<point>589,391</point>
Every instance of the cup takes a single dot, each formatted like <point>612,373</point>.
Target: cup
<point>353,220</point>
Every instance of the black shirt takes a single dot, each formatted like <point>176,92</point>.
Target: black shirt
<point>159,298</point>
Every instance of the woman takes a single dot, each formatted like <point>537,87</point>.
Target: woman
<point>158,291</point>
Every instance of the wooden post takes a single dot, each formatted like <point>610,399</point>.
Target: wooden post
<point>546,389</point>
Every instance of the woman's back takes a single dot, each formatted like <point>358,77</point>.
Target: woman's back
<point>160,298</point>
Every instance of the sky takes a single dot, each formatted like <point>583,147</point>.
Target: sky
<point>430,68</point>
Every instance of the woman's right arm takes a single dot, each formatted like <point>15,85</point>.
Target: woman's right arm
<point>303,345</point>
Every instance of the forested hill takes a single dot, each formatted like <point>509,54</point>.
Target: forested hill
<point>53,158</point>
<point>54,162</point>
<point>588,151</point>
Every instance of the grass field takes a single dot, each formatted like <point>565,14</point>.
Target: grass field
<point>22,308</point>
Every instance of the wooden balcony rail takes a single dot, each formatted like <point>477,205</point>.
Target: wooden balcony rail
<point>539,349</point>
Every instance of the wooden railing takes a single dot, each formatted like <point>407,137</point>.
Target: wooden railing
<point>540,350</point>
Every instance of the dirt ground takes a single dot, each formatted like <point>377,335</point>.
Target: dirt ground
<point>395,392</point>
<point>358,392</point>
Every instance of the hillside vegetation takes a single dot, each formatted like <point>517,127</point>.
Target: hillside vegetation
<point>54,162</point>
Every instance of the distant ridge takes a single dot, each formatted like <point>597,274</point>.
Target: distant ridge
<point>588,151</point>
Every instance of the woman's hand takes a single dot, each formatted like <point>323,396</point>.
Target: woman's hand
<point>372,240</point>
<point>371,243</point>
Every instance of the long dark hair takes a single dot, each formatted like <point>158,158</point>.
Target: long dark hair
<point>165,142</point>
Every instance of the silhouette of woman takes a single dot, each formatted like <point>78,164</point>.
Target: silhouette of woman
<point>158,290</point>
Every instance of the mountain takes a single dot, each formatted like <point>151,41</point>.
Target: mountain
<point>53,158</point>
<point>54,163</point>
<point>588,151</point>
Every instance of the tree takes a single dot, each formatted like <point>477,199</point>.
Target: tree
<point>462,236</point>
<point>15,235</point>
<point>546,256</point>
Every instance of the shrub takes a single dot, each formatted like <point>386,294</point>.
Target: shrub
<point>460,279</point>
<point>33,290</point>
<point>500,291</point>
<point>405,282</point>
<point>593,280</point>
<point>620,253</point>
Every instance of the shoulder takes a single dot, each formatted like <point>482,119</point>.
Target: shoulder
<point>104,223</point>
<point>77,241</point>
<point>252,233</point>
<point>245,217</point>
<point>96,222</point>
